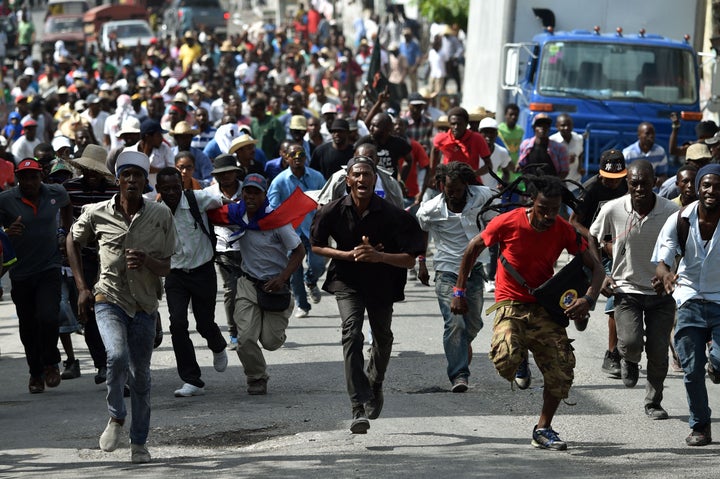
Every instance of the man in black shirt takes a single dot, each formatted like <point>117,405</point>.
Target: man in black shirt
<point>607,185</point>
<point>332,156</point>
<point>390,148</point>
<point>376,244</point>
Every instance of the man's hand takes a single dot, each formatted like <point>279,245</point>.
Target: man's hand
<point>664,284</point>
<point>578,310</point>
<point>17,228</point>
<point>366,252</point>
<point>274,284</point>
<point>458,305</point>
<point>423,274</point>
<point>608,286</point>
<point>86,304</point>
<point>135,258</point>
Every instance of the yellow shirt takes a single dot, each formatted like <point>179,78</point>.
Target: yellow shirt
<point>188,54</point>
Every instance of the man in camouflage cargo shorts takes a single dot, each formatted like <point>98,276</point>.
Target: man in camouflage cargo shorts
<point>531,240</point>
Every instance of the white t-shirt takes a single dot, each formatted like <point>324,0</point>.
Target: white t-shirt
<point>575,149</point>
<point>500,159</point>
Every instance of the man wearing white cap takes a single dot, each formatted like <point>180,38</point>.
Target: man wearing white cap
<point>499,157</point>
<point>136,239</point>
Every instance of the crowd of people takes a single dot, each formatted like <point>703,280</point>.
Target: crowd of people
<point>258,158</point>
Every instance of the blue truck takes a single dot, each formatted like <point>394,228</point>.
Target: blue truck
<point>608,83</point>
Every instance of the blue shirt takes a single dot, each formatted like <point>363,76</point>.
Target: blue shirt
<point>273,168</point>
<point>656,156</point>
<point>697,272</point>
<point>285,183</point>
<point>411,51</point>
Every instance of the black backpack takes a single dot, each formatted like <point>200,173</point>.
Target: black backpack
<point>197,216</point>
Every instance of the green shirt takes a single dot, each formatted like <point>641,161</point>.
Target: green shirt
<point>269,133</point>
<point>25,32</point>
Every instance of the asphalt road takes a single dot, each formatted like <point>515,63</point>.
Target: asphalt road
<point>300,429</point>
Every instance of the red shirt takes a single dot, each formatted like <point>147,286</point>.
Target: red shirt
<point>531,253</point>
<point>421,160</point>
<point>468,149</point>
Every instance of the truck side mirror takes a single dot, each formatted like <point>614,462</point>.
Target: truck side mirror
<point>512,65</point>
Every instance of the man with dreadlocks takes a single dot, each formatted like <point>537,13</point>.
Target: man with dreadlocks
<point>531,240</point>
<point>451,220</point>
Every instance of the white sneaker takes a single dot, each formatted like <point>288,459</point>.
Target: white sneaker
<point>301,313</point>
<point>412,274</point>
<point>220,361</point>
<point>490,287</point>
<point>188,390</point>
<point>139,454</point>
<point>110,438</point>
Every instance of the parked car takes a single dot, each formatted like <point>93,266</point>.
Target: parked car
<point>95,18</point>
<point>69,29</point>
<point>191,15</point>
<point>127,32</point>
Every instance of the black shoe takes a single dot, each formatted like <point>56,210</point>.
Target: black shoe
<point>101,375</point>
<point>360,423</point>
<point>72,369</point>
<point>712,374</point>
<point>611,364</point>
<point>630,373</point>
<point>375,405</point>
<point>699,436</point>
<point>655,412</point>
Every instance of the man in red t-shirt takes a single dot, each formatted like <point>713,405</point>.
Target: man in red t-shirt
<point>418,163</point>
<point>461,144</point>
<point>531,240</point>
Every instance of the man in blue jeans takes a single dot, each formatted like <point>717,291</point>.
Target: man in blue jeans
<point>696,290</point>
<point>298,175</point>
<point>450,219</point>
<point>136,239</point>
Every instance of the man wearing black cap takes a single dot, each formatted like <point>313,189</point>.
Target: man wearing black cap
<point>267,266</point>
<point>695,293</point>
<point>29,214</point>
<point>643,318</point>
<point>376,244</point>
<point>546,156</point>
<point>332,156</point>
<point>607,185</point>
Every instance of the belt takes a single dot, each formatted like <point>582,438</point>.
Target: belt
<point>250,278</point>
<point>191,270</point>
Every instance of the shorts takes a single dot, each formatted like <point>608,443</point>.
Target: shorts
<point>520,327</point>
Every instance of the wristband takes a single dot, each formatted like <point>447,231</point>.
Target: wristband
<point>458,292</point>
<point>675,126</point>
<point>421,259</point>
<point>590,301</point>
<point>61,232</point>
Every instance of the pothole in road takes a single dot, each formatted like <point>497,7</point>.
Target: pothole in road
<point>188,436</point>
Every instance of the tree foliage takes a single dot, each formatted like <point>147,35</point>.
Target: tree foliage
<point>445,11</point>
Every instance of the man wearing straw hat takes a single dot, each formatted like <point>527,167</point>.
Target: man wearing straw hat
<point>96,184</point>
<point>183,133</point>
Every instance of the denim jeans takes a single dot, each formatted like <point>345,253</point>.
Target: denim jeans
<point>651,316</point>
<point>460,330</point>
<point>129,346</point>
<point>309,275</point>
<point>352,307</point>
<point>698,321</point>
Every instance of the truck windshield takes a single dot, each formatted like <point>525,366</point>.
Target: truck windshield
<point>618,71</point>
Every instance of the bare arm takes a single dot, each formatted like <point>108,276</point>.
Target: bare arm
<point>294,262</point>
<point>86,300</point>
<point>367,253</point>
<point>137,259</point>
<point>473,250</point>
